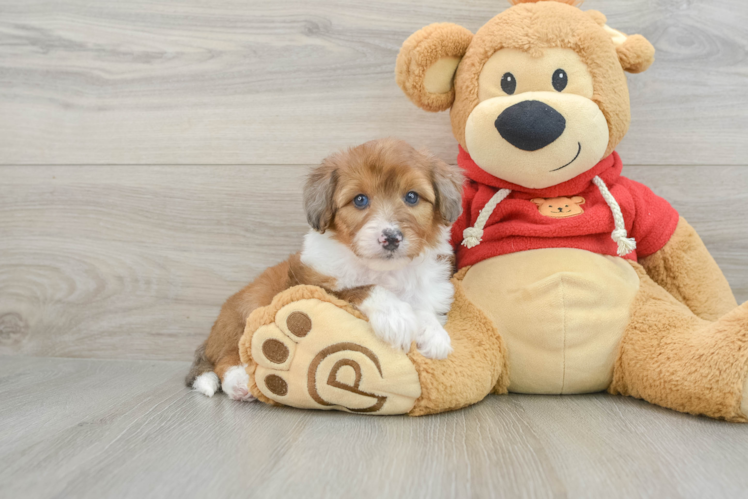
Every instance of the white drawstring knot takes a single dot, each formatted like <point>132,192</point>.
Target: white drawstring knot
<point>626,245</point>
<point>472,236</point>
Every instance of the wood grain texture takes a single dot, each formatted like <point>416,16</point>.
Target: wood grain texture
<point>136,262</point>
<point>286,82</point>
<point>94,428</point>
<point>151,162</point>
<point>108,262</point>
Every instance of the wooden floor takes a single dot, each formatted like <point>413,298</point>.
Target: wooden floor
<point>96,428</point>
<point>151,161</point>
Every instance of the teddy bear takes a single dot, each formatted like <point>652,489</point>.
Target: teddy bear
<point>570,278</point>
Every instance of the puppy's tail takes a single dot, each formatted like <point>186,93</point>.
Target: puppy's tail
<point>200,365</point>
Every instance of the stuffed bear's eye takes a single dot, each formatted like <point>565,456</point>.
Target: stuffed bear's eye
<point>508,83</point>
<point>411,198</point>
<point>560,80</point>
<point>361,201</point>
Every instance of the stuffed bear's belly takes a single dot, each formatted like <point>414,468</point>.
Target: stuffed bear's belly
<point>561,313</point>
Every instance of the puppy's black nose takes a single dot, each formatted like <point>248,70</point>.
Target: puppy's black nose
<point>390,239</point>
<point>530,125</point>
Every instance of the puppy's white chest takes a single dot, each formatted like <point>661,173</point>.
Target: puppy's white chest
<point>420,282</point>
<point>397,283</point>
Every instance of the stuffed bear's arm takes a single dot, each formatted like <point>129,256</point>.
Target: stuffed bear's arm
<point>686,269</point>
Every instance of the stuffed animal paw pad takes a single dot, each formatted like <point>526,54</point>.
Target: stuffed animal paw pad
<point>315,354</point>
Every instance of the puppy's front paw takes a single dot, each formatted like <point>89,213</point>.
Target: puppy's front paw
<point>433,341</point>
<point>235,384</point>
<point>391,319</point>
<point>395,326</point>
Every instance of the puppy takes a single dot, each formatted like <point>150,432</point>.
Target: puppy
<point>380,216</point>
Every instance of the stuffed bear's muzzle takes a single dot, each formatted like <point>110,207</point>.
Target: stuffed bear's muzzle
<point>536,139</point>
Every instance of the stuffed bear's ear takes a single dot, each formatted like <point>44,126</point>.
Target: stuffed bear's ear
<point>635,53</point>
<point>538,201</point>
<point>427,63</point>
<point>578,200</point>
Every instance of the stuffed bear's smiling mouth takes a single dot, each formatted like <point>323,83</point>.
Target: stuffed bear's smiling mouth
<point>572,161</point>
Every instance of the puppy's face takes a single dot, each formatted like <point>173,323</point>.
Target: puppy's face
<point>384,200</point>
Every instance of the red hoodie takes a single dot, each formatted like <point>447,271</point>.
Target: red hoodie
<point>516,224</point>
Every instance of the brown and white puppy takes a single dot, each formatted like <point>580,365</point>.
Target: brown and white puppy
<point>380,216</point>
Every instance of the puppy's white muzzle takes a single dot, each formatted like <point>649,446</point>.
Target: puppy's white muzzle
<point>382,244</point>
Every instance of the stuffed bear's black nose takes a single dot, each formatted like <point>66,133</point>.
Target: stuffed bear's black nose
<point>530,125</point>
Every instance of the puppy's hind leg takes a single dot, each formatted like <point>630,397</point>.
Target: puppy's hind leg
<point>234,378</point>
<point>206,383</point>
<point>217,362</point>
<point>201,376</point>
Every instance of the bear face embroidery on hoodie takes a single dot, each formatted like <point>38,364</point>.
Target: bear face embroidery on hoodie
<point>561,207</point>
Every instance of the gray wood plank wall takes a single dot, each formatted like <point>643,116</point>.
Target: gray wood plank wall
<point>151,153</point>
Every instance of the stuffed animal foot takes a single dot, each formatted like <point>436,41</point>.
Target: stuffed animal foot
<point>317,352</point>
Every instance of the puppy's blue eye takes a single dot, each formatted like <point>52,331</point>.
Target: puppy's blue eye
<point>361,201</point>
<point>411,198</point>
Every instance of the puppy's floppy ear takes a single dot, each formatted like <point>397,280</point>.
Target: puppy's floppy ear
<point>319,194</point>
<point>427,64</point>
<point>635,53</point>
<point>447,180</point>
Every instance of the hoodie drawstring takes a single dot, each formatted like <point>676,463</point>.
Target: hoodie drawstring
<point>473,236</point>
<point>626,245</point>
